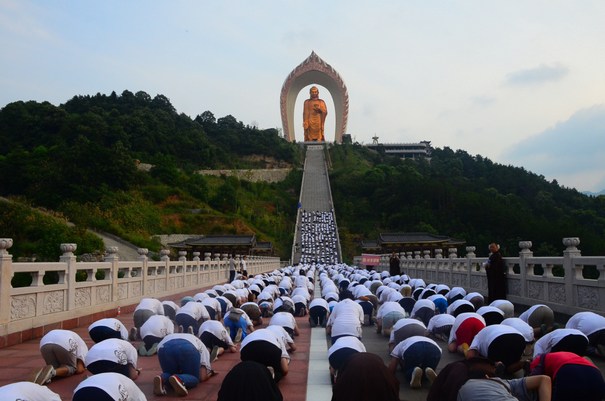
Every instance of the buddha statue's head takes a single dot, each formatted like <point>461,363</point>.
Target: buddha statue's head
<point>314,92</point>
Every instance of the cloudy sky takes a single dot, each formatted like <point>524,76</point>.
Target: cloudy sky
<point>521,82</point>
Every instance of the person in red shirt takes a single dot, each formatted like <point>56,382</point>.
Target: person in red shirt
<point>573,377</point>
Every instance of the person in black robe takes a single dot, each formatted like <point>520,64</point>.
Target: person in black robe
<point>496,274</point>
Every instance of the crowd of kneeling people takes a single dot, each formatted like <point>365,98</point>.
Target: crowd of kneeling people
<point>502,357</point>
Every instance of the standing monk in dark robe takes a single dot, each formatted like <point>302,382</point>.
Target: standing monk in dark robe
<point>496,275</point>
<point>394,265</point>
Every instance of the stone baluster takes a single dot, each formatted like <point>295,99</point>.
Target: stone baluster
<point>182,256</point>
<point>143,252</point>
<point>452,253</point>
<point>165,255</point>
<point>571,251</point>
<point>207,256</point>
<point>69,259</point>
<point>416,254</point>
<point>438,253</point>
<point>111,256</point>
<point>525,268</point>
<point>196,256</point>
<point>6,275</point>
<point>470,252</point>
<point>427,254</point>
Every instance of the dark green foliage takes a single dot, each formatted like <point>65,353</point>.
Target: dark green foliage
<point>82,160</point>
<point>85,158</point>
<point>462,196</point>
<point>39,235</point>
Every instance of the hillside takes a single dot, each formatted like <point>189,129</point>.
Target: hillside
<point>462,196</point>
<point>83,161</point>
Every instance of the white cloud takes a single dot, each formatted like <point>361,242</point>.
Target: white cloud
<point>573,151</point>
<point>537,75</point>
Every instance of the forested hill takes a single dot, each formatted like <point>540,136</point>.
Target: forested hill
<point>462,196</point>
<point>79,161</point>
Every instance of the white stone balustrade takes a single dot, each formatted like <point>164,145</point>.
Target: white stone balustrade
<point>106,285</point>
<point>567,294</point>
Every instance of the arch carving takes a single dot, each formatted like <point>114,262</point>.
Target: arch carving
<point>313,70</point>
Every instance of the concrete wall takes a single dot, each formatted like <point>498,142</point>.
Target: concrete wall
<point>253,175</point>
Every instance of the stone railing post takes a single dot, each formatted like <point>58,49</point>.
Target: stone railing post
<point>452,253</point>
<point>6,275</point>
<point>470,252</point>
<point>165,255</point>
<point>182,256</point>
<point>207,256</point>
<point>144,269</point>
<point>69,259</point>
<point>112,257</point>
<point>571,273</point>
<point>196,256</point>
<point>524,254</point>
<point>438,253</point>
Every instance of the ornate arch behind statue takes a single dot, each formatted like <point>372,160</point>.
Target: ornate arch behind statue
<point>314,71</point>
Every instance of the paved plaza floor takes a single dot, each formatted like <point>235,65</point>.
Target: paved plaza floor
<point>308,378</point>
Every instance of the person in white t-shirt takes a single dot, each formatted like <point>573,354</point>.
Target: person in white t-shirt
<point>418,356</point>
<point>108,387</point>
<point>147,307</point>
<point>423,310</point>
<point>213,307</point>
<point>505,306</point>
<point>345,319</point>
<point>318,312</point>
<point>103,329</point>
<point>460,306</point>
<point>491,314</point>
<point>64,352</point>
<point>404,329</point>
<point>170,308</point>
<point>153,331</point>
<point>190,316</point>
<point>215,337</point>
<point>501,344</point>
<point>287,321</point>
<point>185,362</point>
<point>387,315</point>
<point>570,340</point>
<point>264,347</point>
<point>340,351</point>
<point>541,318</point>
<point>254,312</point>
<point>440,326</point>
<point>27,391</point>
<point>593,327</point>
<point>283,336</point>
<point>113,355</point>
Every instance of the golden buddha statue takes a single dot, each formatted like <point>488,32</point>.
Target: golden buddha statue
<point>314,116</point>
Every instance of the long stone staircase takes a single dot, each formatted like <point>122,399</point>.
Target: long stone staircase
<point>315,202</point>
